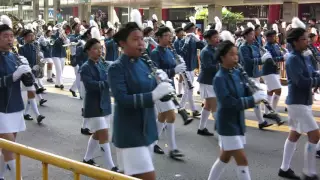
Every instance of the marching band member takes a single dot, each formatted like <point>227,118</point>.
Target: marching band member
<point>209,68</point>
<point>270,71</point>
<point>165,60</point>
<point>251,58</point>
<point>59,54</point>
<point>190,44</point>
<point>28,50</point>
<point>46,49</point>
<point>97,104</point>
<point>74,38</point>
<point>177,44</point>
<point>233,98</point>
<point>81,58</point>
<point>11,103</point>
<point>112,50</point>
<point>135,90</point>
<point>301,78</point>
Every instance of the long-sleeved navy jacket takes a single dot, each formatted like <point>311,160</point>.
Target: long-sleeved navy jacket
<point>189,52</point>
<point>250,58</point>
<point>301,79</point>
<point>98,101</point>
<point>269,67</point>
<point>233,98</point>
<point>132,83</point>
<point>29,51</point>
<point>165,60</point>
<point>10,92</point>
<point>209,65</point>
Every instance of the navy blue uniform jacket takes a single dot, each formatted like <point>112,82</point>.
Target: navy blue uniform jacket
<point>132,84</point>
<point>209,65</point>
<point>233,98</point>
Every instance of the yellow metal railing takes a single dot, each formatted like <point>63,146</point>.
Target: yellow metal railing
<point>46,158</point>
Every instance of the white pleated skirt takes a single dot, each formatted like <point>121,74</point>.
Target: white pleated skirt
<point>12,122</point>
<point>301,118</point>
<point>272,81</point>
<point>230,143</point>
<point>207,91</point>
<point>164,106</point>
<point>99,123</point>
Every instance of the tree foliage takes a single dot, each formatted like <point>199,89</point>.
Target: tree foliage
<point>228,17</point>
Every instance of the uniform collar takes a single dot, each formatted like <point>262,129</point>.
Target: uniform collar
<point>126,58</point>
<point>230,71</point>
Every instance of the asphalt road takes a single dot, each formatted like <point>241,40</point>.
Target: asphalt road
<point>60,134</point>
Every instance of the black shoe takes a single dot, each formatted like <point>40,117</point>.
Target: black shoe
<point>157,149</point>
<point>196,113</point>
<point>42,101</point>
<point>286,109</point>
<point>314,177</point>
<point>53,75</point>
<point>264,125</point>
<point>85,131</point>
<point>318,154</point>
<point>204,132</point>
<point>56,86</point>
<point>73,93</point>
<point>289,174</point>
<point>269,116</point>
<point>50,80</point>
<point>115,169</point>
<point>176,154</point>
<point>27,117</point>
<point>202,104</point>
<point>198,92</point>
<point>179,96</point>
<point>91,162</point>
<point>42,90</point>
<point>61,87</point>
<point>40,118</point>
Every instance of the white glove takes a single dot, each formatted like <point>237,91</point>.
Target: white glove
<point>41,55</point>
<point>161,90</point>
<point>259,96</point>
<point>24,60</point>
<point>180,68</point>
<point>42,60</point>
<point>163,76</point>
<point>265,57</point>
<point>21,70</point>
<point>307,52</point>
<point>285,56</point>
<point>181,59</point>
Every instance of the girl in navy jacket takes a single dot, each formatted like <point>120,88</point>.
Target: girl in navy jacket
<point>233,98</point>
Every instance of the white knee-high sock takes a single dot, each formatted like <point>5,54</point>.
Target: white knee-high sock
<point>257,111</point>
<point>172,136</point>
<point>34,106</point>
<point>190,100</point>
<point>288,151</point>
<point>92,145</point>
<point>26,110</point>
<point>160,126</point>
<point>180,86</point>
<point>266,111</point>
<point>84,123</point>
<point>2,166</point>
<point>39,96</point>
<point>243,173</point>
<point>49,74</point>
<point>204,118</point>
<point>216,170</point>
<point>106,154</point>
<point>11,167</point>
<point>275,101</point>
<point>309,168</point>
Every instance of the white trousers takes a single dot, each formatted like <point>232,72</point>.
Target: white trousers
<point>59,65</point>
<point>76,84</point>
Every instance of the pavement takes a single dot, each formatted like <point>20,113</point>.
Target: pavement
<point>60,134</point>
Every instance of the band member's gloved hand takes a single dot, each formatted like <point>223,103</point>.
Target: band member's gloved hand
<point>180,68</point>
<point>265,57</point>
<point>285,56</point>
<point>161,90</point>
<point>23,60</point>
<point>163,76</point>
<point>259,96</point>
<point>181,59</point>
<point>307,52</point>
<point>21,70</point>
<point>42,60</point>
